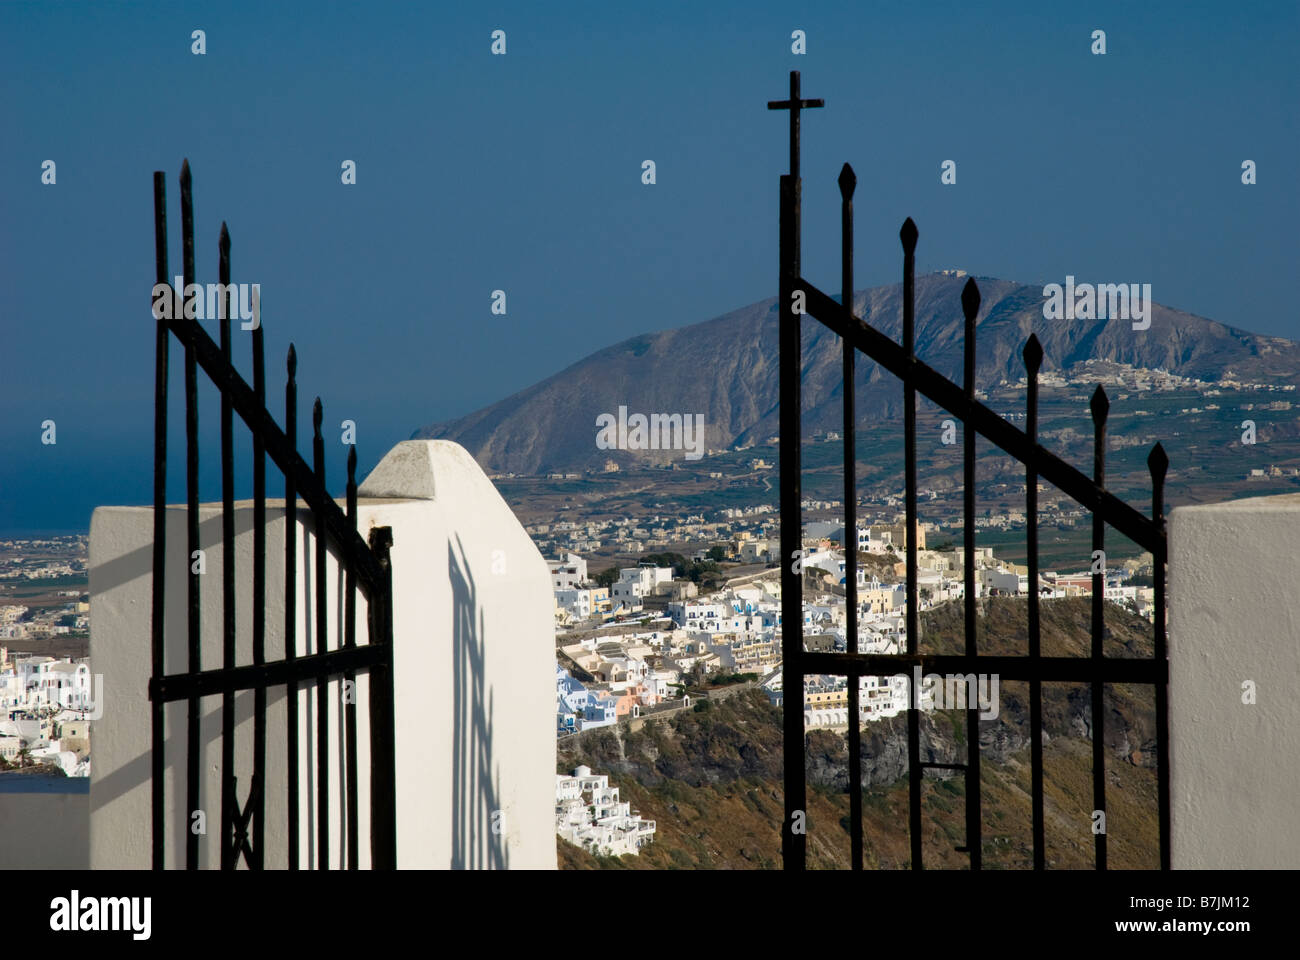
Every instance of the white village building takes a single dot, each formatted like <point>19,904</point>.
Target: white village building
<point>589,814</point>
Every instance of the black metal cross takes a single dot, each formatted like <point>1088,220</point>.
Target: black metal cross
<point>794,105</point>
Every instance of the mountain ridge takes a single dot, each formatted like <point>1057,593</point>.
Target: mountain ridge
<point>726,369</point>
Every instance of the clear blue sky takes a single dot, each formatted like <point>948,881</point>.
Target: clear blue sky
<point>477,172</point>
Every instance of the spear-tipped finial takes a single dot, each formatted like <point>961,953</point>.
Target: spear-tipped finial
<point>352,461</point>
<point>1158,463</point>
<point>848,182</point>
<point>185,172</point>
<point>908,235</point>
<point>1099,404</point>
<point>224,242</point>
<point>970,297</point>
<point>1033,354</point>
<point>291,362</point>
<point>317,415</point>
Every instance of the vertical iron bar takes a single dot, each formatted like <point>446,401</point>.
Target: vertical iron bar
<point>291,600</point>
<point>322,707</point>
<point>1033,356</point>
<point>157,626</point>
<point>1100,405</point>
<point>350,678</point>
<point>795,105</point>
<point>229,850</point>
<point>192,525</point>
<point>793,836</point>
<point>970,303</point>
<point>1158,462</point>
<point>793,831</point>
<point>259,596</point>
<point>908,235</point>
<point>848,181</point>
<point>383,787</point>
<point>970,308</point>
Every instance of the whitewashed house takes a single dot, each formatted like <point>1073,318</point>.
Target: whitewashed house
<point>568,573</point>
<point>589,814</point>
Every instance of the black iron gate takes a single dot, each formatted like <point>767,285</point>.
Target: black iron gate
<point>916,376</point>
<point>365,567</point>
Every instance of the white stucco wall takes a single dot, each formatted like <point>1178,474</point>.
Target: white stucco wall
<point>474,674</point>
<point>43,831</point>
<point>1234,617</point>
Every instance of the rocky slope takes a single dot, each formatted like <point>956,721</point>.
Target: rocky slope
<point>726,369</point>
<point>712,777</point>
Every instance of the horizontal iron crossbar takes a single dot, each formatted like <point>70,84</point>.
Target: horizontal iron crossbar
<point>932,384</point>
<point>206,683</point>
<point>1053,669</point>
<point>227,379</point>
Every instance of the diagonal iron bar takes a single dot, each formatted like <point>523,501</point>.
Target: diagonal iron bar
<point>933,385</point>
<point>259,420</point>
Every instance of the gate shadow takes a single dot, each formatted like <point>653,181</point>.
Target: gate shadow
<point>477,822</point>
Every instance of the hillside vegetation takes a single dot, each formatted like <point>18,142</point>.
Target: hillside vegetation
<point>711,777</point>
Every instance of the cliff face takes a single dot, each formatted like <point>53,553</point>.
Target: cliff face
<point>726,369</point>
<point>712,777</point>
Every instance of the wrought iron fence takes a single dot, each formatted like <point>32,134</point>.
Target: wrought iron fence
<point>365,568</point>
<point>1105,507</point>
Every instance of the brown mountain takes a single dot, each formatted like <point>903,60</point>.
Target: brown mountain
<point>726,369</point>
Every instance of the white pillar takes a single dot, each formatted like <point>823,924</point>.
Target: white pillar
<point>474,674</point>
<point>1234,626</point>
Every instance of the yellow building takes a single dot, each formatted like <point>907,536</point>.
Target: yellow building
<point>600,602</point>
<point>827,700</point>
